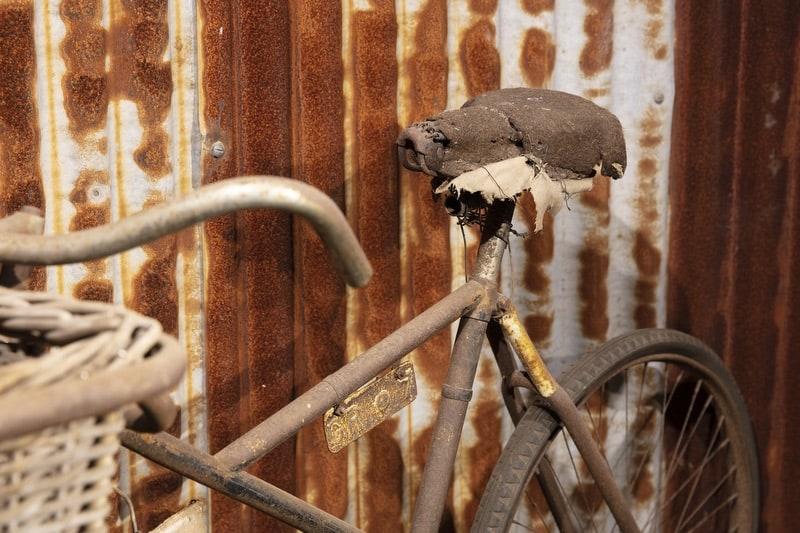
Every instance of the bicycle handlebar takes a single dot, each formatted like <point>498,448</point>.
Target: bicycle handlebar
<point>220,198</point>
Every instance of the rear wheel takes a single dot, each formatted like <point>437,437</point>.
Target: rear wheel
<point>674,430</point>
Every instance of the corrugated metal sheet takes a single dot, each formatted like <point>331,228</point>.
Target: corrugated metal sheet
<point>734,232</point>
<point>108,106</point>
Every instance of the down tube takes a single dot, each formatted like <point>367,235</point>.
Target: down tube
<point>457,388</point>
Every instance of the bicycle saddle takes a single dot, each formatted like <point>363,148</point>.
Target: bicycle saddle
<point>505,142</point>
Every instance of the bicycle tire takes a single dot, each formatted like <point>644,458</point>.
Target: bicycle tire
<point>537,429</point>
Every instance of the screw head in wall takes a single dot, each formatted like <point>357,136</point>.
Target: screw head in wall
<point>217,149</point>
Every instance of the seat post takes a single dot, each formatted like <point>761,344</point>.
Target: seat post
<point>457,387</point>
<point>494,240</point>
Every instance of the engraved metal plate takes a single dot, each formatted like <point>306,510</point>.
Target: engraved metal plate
<point>370,405</point>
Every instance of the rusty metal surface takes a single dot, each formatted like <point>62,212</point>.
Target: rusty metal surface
<point>109,106</point>
<point>369,406</point>
<point>518,338</point>
<point>734,231</point>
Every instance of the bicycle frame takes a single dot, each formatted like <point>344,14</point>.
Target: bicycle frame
<point>477,303</point>
<point>474,303</point>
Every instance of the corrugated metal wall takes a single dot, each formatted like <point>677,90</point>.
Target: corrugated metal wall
<point>734,279</point>
<point>108,106</point>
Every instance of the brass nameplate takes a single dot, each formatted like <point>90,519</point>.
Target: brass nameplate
<point>370,405</point>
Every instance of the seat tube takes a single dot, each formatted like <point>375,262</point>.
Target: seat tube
<point>457,387</point>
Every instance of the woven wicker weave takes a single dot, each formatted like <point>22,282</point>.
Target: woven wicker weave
<point>60,478</point>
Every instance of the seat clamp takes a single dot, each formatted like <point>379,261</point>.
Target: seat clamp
<point>456,393</point>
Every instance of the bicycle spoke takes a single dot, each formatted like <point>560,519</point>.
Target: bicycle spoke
<point>693,476</point>
<point>732,498</point>
<point>666,400</point>
<point>691,492</point>
<point>523,525</point>
<point>664,407</point>
<point>535,507</point>
<point>708,497</point>
<point>580,482</point>
<point>594,427</point>
<point>564,494</point>
<point>694,429</point>
<point>691,434</point>
<point>629,441</point>
<point>625,453</point>
<point>683,427</point>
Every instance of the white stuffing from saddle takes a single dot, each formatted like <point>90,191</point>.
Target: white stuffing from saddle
<point>509,178</point>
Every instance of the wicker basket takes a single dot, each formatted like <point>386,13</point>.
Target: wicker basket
<point>58,476</point>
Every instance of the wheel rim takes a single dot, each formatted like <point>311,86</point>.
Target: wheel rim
<point>666,429</point>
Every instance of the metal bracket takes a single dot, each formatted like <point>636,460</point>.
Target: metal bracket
<point>369,406</point>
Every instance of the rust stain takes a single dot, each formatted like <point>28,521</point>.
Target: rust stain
<point>137,42</point>
<point>485,415</point>
<point>534,7</point>
<point>246,83</point>
<point>21,182</point>
<point>378,221</point>
<point>646,254</point>
<point>20,175</point>
<point>479,58</point>
<point>373,35</point>
<point>85,89</point>
<point>596,92</point>
<point>654,7</point>
<point>653,38</point>
<point>592,287</point>
<point>594,261</point>
<point>223,323</point>
<point>539,249</point>
<point>319,296</point>
<point>653,29</point>
<point>85,84</point>
<point>92,204</point>
<point>482,7</point>
<point>155,291</point>
<point>537,58</point>
<point>599,28</point>
<point>383,507</point>
<point>426,224</point>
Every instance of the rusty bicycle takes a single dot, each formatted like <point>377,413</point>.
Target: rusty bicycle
<point>646,433</point>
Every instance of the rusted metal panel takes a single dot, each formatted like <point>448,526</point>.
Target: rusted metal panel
<point>128,99</point>
<point>249,289</point>
<point>369,41</point>
<point>320,299</point>
<point>733,280</point>
<point>20,171</point>
<point>422,84</point>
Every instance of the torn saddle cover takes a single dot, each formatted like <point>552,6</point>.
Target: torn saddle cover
<point>506,142</point>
